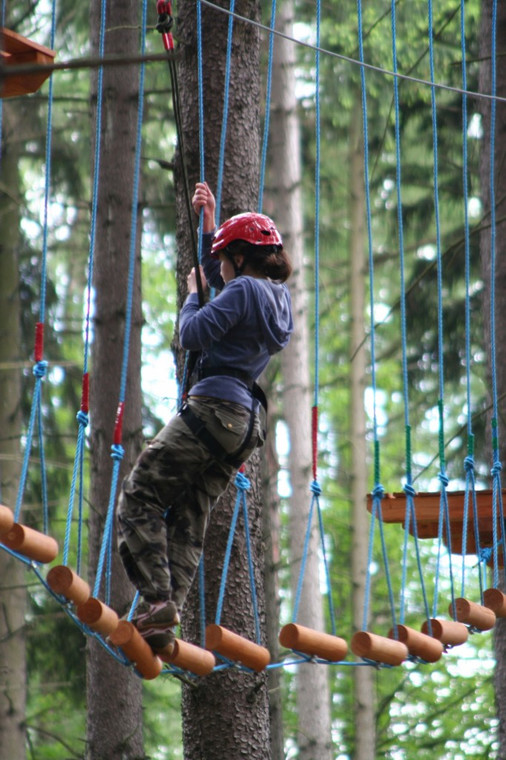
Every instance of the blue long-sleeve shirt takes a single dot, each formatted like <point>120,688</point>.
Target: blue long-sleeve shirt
<point>241,328</point>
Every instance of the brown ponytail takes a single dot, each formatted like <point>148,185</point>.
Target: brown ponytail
<point>267,260</point>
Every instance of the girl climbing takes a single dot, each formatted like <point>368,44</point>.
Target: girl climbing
<point>166,501</point>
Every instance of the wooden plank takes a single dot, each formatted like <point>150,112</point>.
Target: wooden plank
<point>428,504</point>
<point>17,50</point>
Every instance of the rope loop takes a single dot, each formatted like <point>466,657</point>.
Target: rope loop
<point>378,491</point>
<point>469,464</point>
<point>316,488</point>
<point>117,451</point>
<point>40,369</point>
<point>496,468</point>
<point>443,479</point>
<point>82,418</point>
<point>409,490</point>
<point>242,482</point>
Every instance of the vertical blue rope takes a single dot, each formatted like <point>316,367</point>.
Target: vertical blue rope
<point>317,211</point>
<point>265,140</point>
<point>378,489</point>
<point>82,417</point>
<point>224,123</point>
<point>117,450</point>
<point>226,561</point>
<point>496,465</point>
<point>40,368</point>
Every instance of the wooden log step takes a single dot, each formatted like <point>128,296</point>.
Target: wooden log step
<point>495,600</point>
<point>188,657</point>
<point>6,519</point>
<point>30,543</point>
<point>236,648</point>
<point>449,632</point>
<point>311,642</point>
<point>371,646</point>
<point>98,616</point>
<point>127,637</point>
<point>474,614</point>
<point>64,581</point>
<point>420,645</point>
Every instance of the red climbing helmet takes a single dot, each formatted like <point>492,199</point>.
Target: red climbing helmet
<point>256,229</point>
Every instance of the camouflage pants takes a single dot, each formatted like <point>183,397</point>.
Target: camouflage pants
<point>166,501</point>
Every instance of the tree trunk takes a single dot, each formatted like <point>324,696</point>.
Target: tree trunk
<point>313,700</point>
<point>272,537</point>
<point>12,571</point>
<point>226,715</point>
<point>499,283</point>
<point>363,677</point>
<point>114,728</point>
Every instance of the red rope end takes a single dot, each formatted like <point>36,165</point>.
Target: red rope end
<point>314,439</point>
<point>118,425</point>
<point>85,393</point>
<point>39,342</point>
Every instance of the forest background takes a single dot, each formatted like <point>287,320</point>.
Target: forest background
<point>444,710</point>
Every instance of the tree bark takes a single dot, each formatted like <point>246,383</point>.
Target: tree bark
<point>12,572</point>
<point>313,698</point>
<point>363,677</point>
<point>226,714</point>
<point>499,281</point>
<point>114,728</point>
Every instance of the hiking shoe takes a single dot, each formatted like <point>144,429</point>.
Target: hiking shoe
<point>156,623</point>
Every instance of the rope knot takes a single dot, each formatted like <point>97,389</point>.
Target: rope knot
<point>378,491</point>
<point>40,369</point>
<point>409,490</point>
<point>485,554</point>
<point>117,451</point>
<point>443,479</point>
<point>496,468</point>
<point>469,464</point>
<point>242,482</point>
<point>316,488</point>
<point>82,418</point>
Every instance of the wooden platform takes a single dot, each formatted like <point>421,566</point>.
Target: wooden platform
<point>16,50</point>
<point>427,507</point>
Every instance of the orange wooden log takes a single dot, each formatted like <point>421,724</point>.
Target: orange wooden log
<point>237,648</point>
<point>63,580</point>
<point>495,600</point>
<point>189,657</point>
<point>419,644</point>
<point>98,616</point>
<point>449,632</point>
<point>473,614</point>
<point>6,519</point>
<point>136,649</point>
<point>314,643</point>
<point>378,648</point>
<point>31,543</point>
<point>16,50</point>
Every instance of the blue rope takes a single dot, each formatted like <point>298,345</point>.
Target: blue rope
<point>224,123</point>
<point>228,552</point>
<point>244,486</point>
<point>82,417</point>
<point>116,449</point>
<point>40,367</point>
<point>303,562</point>
<point>496,464</point>
<point>265,140</point>
<point>317,213</point>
